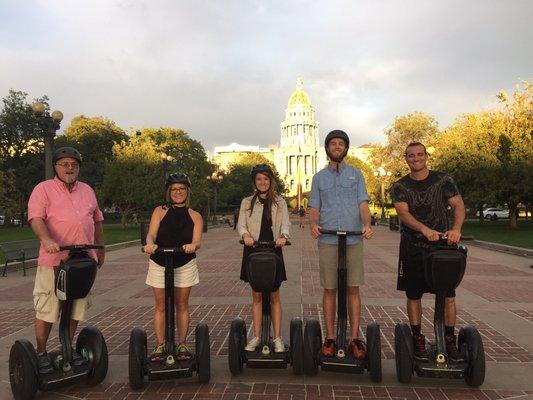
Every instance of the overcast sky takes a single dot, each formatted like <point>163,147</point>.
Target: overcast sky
<point>224,70</point>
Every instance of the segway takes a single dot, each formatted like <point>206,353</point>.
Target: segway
<point>261,269</point>
<point>342,361</point>
<point>74,278</point>
<point>444,267</point>
<point>171,367</point>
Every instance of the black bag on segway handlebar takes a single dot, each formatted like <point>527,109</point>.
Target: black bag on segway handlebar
<point>444,266</point>
<point>74,277</point>
<point>262,267</point>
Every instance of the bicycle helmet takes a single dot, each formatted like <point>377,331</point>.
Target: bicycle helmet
<point>261,168</point>
<point>177,177</point>
<point>337,134</point>
<point>66,152</point>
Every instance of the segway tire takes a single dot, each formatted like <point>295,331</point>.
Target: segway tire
<point>137,358</point>
<point>236,345</point>
<point>91,342</point>
<point>373,342</point>
<point>297,346</point>
<point>312,343</point>
<point>23,373</point>
<point>470,342</point>
<point>404,356</point>
<point>203,353</point>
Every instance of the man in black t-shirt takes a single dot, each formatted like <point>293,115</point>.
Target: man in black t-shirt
<point>421,199</point>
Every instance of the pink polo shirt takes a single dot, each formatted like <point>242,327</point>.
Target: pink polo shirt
<point>69,216</point>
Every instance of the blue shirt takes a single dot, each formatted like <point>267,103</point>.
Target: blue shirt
<point>337,195</point>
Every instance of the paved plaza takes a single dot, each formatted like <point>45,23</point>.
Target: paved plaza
<point>496,296</point>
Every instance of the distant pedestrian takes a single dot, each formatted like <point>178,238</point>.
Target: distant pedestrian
<point>301,214</point>
<point>235,218</point>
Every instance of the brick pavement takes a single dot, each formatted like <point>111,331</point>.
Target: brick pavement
<point>496,296</point>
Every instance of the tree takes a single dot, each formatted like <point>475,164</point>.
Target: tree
<point>21,150</point>
<point>413,127</point>
<point>94,138</point>
<point>132,179</point>
<point>237,183</point>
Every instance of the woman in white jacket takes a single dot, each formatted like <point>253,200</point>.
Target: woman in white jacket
<point>264,216</point>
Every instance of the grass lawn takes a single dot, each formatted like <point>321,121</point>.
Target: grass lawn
<point>113,234</point>
<point>500,232</point>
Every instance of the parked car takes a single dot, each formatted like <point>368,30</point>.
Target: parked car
<point>494,213</point>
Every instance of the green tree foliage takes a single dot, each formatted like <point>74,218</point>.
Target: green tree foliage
<point>21,150</point>
<point>188,156</point>
<point>489,153</point>
<point>237,183</point>
<point>94,138</point>
<point>371,181</point>
<point>134,178</point>
<point>413,127</point>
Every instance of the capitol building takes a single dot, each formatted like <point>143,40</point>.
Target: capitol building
<point>300,152</point>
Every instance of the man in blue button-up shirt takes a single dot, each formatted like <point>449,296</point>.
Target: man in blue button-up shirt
<point>339,202</point>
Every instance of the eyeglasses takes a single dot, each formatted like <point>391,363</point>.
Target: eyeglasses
<point>72,165</point>
<point>178,190</point>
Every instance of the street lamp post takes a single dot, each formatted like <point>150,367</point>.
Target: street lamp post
<point>382,175</point>
<point>215,178</point>
<point>48,124</point>
<point>166,159</point>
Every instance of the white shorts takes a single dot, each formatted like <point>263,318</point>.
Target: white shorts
<point>185,276</point>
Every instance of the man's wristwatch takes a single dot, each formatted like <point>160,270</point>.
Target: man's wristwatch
<point>284,236</point>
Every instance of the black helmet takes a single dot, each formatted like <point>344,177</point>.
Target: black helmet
<point>261,168</point>
<point>337,134</point>
<point>66,152</point>
<point>177,177</point>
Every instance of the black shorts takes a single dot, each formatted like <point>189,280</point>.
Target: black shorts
<point>411,270</point>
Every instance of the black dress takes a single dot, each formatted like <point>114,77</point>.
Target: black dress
<point>265,234</point>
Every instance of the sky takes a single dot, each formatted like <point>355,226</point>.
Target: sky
<point>223,71</point>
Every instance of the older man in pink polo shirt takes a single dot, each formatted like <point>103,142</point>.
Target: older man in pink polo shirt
<point>61,211</point>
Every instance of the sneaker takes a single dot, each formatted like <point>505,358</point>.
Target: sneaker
<point>158,354</point>
<point>252,344</point>
<point>358,349</point>
<point>328,348</point>
<point>44,363</point>
<point>451,348</point>
<point>183,352</point>
<point>419,343</point>
<point>279,346</point>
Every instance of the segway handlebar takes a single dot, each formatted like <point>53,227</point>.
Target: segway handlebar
<point>265,243</point>
<point>81,247</point>
<point>341,233</point>
<point>166,250</point>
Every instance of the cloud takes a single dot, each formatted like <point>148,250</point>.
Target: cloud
<point>223,71</point>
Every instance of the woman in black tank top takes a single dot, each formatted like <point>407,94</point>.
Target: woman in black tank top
<point>174,225</point>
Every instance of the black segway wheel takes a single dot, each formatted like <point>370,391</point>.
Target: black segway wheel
<point>373,342</point>
<point>137,358</point>
<point>91,344</point>
<point>203,353</point>
<point>23,370</point>
<point>312,343</point>
<point>404,353</point>
<point>297,346</point>
<point>236,345</point>
<point>470,343</point>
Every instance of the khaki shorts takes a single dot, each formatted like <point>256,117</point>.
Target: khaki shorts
<point>328,260</point>
<point>46,303</point>
<point>184,276</point>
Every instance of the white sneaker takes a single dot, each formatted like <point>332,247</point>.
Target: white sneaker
<point>279,346</point>
<point>252,344</point>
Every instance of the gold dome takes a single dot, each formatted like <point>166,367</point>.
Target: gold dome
<point>299,96</point>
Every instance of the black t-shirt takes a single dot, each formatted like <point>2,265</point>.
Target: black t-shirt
<point>266,224</point>
<point>427,199</point>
